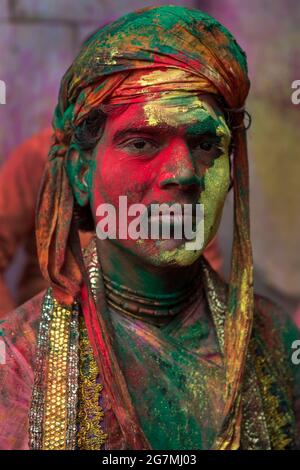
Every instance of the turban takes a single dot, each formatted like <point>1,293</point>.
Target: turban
<point>148,39</point>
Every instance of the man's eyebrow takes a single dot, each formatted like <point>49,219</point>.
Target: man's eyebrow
<point>153,129</point>
<point>206,126</point>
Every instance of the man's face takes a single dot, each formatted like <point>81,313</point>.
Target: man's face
<point>170,150</point>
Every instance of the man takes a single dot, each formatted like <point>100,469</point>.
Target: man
<point>139,344</point>
<point>20,178</point>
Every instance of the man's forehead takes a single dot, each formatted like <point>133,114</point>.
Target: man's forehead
<point>170,113</point>
<point>179,110</point>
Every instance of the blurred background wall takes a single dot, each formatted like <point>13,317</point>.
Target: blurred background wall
<point>39,38</point>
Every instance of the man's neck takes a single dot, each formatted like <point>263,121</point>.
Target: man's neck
<point>126,269</point>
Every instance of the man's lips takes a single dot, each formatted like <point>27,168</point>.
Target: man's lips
<point>173,219</point>
<point>166,209</point>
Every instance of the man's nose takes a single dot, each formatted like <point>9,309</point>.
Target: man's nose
<point>179,171</point>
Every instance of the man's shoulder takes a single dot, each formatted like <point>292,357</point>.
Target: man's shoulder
<point>18,344</point>
<point>274,325</point>
<point>26,313</point>
<point>36,145</point>
<point>267,312</point>
<point>271,322</point>
<point>19,328</point>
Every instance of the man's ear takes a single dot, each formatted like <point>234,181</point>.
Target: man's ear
<point>78,171</point>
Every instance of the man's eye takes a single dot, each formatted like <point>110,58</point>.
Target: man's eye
<point>203,146</point>
<point>207,146</point>
<point>206,151</point>
<point>140,146</point>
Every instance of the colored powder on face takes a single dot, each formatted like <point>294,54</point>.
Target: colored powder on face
<point>216,181</point>
<point>199,118</point>
<point>190,114</point>
<point>173,98</point>
<point>182,110</point>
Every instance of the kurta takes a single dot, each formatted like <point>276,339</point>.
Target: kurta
<point>174,375</point>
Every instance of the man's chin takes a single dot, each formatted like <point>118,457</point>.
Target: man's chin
<point>170,244</point>
<point>174,252</point>
<point>163,253</point>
